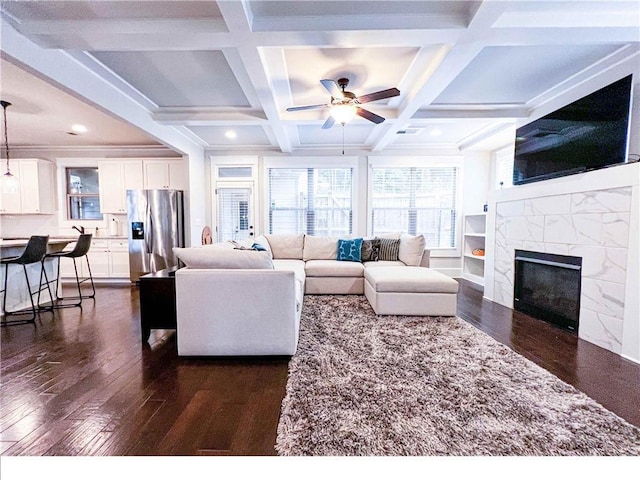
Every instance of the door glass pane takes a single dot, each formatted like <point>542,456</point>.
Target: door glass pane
<point>234,215</point>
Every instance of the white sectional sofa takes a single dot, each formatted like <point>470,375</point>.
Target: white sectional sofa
<point>238,302</point>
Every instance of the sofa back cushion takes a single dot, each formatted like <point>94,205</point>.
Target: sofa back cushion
<point>411,249</point>
<point>319,248</point>
<point>286,246</point>
<point>210,257</point>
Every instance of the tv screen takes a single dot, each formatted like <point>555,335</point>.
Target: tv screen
<point>587,134</point>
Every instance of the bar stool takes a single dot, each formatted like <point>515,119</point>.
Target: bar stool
<point>34,252</point>
<point>80,250</point>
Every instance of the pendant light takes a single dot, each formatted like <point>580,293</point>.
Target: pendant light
<point>9,181</point>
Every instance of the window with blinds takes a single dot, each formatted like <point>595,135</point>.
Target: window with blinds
<point>315,201</point>
<point>415,200</point>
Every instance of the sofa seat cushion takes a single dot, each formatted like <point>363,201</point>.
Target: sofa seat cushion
<point>410,280</point>
<point>333,268</point>
<point>384,263</point>
<point>295,266</point>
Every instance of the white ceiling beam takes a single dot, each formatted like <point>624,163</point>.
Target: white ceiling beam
<point>237,17</point>
<point>325,23</point>
<point>209,116</point>
<point>471,113</point>
<point>123,26</point>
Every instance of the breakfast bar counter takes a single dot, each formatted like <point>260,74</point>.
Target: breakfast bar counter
<point>18,294</point>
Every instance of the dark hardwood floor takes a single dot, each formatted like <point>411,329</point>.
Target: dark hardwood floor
<point>80,382</point>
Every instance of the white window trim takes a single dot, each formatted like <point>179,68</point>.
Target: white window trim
<point>63,222</point>
<point>434,161</point>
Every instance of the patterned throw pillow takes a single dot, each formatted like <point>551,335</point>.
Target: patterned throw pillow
<point>349,250</point>
<point>370,250</point>
<point>389,249</point>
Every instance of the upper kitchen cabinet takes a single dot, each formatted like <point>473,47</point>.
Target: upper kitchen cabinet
<point>163,174</point>
<point>36,192</point>
<point>116,177</point>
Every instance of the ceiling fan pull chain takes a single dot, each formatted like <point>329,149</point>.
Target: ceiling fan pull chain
<point>343,138</point>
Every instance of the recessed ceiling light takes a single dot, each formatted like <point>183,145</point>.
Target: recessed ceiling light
<point>435,132</point>
<point>77,128</point>
<point>230,134</point>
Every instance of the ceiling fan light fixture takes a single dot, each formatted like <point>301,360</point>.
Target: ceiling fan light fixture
<point>343,113</point>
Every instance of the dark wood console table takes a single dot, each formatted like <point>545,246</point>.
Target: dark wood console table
<point>157,301</point>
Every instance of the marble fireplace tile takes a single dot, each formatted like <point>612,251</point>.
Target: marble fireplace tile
<point>602,297</point>
<point>510,209</point>
<point>554,205</point>
<point>615,229</point>
<point>556,248</point>
<point>608,264</point>
<point>525,228</point>
<point>559,229</point>
<point>503,293</point>
<point>579,229</point>
<point>533,246</point>
<point>614,200</point>
<point>603,330</point>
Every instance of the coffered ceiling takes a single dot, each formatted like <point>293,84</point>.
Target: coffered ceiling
<point>467,70</point>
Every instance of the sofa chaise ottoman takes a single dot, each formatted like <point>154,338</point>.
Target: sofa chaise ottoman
<point>410,291</point>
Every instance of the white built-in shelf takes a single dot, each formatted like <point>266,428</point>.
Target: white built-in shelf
<point>475,229</point>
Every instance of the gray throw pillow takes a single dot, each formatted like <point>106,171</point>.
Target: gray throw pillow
<point>389,249</point>
<point>370,250</point>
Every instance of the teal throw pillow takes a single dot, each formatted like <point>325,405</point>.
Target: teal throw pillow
<point>350,250</point>
<point>257,246</point>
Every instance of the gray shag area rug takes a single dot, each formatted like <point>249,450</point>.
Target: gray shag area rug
<point>398,385</point>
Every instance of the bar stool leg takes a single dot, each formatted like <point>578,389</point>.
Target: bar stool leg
<point>4,300</point>
<point>93,288</point>
<point>47,283</point>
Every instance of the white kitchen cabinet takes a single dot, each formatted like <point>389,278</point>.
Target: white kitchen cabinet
<point>163,174</point>
<point>116,177</point>
<point>36,192</point>
<point>119,258</point>
<point>109,258</point>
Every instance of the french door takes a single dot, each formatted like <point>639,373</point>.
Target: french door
<point>235,211</point>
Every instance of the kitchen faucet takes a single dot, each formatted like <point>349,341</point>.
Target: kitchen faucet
<point>81,229</point>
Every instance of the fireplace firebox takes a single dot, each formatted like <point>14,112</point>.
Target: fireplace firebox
<point>547,287</point>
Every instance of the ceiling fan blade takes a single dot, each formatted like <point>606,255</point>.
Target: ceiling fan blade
<point>332,87</point>
<point>329,122</point>
<point>306,107</point>
<point>372,117</point>
<point>372,97</point>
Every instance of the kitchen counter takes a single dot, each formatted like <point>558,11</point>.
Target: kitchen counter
<point>54,241</point>
<point>17,292</point>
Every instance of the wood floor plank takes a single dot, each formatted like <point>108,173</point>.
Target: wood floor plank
<point>80,382</point>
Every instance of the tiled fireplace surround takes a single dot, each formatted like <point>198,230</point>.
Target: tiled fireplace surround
<point>593,216</point>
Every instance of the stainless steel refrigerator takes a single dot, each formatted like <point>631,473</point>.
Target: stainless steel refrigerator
<point>155,223</point>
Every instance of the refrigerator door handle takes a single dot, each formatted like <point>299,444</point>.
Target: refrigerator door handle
<point>147,237</point>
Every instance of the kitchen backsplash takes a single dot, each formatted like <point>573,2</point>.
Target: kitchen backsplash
<point>21,226</point>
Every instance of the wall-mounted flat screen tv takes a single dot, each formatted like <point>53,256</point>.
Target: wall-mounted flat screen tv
<point>587,134</point>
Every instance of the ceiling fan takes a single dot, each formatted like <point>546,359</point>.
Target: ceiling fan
<point>344,105</point>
